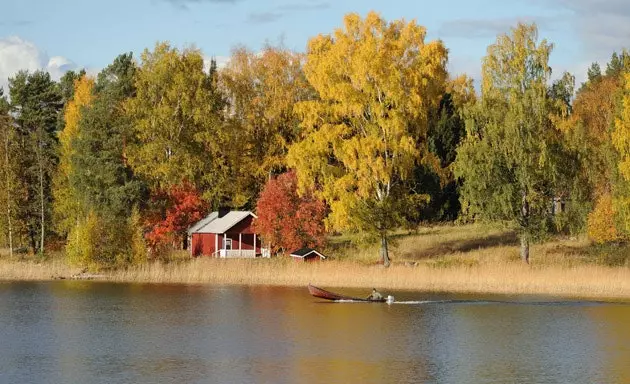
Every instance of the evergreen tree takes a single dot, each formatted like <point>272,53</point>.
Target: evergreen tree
<point>99,177</point>
<point>35,104</point>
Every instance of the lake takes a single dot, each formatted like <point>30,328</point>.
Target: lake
<point>95,332</point>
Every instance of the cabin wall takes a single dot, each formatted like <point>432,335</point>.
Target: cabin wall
<point>245,226</point>
<point>203,244</point>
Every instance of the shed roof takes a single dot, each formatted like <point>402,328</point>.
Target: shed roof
<point>221,224</point>
<point>304,252</point>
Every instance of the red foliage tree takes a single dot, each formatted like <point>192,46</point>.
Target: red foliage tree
<point>178,208</point>
<point>287,221</point>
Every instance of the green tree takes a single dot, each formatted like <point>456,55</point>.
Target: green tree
<point>446,130</point>
<point>594,73</point>
<point>376,82</point>
<point>35,104</point>
<point>174,120</point>
<point>618,64</point>
<point>509,158</point>
<point>7,172</point>
<point>104,186</point>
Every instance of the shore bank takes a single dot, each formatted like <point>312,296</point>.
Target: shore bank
<point>584,281</point>
<point>470,258</point>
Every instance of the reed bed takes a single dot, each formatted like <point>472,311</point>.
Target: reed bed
<point>472,258</point>
<point>507,278</point>
<point>35,270</point>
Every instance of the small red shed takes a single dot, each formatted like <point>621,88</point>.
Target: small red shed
<point>225,234</point>
<point>307,255</point>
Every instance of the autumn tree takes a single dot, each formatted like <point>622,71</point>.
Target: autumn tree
<point>67,85</point>
<point>508,160</point>
<point>261,89</point>
<point>66,205</point>
<point>376,83</point>
<point>286,220</point>
<point>594,184</point>
<point>621,143</point>
<point>175,210</point>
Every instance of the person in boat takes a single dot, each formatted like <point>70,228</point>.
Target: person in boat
<point>375,295</point>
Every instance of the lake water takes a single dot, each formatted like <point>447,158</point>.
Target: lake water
<point>90,332</point>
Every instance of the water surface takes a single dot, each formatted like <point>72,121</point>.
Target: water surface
<point>91,332</point>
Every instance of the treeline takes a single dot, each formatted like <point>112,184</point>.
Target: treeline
<point>115,168</point>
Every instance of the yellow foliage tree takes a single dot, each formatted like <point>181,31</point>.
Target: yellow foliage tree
<point>83,242</point>
<point>262,89</point>
<point>376,82</point>
<point>601,221</point>
<point>65,203</point>
<point>621,134</point>
<point>621,142</point>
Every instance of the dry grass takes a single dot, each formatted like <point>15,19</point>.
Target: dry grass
<point>508,277</point>
<point>472,258</point>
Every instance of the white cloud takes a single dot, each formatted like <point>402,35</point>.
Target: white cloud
<point>602,26</point>
<point>18,54</point>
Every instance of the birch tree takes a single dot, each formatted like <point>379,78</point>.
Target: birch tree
<point>508,160</point>
<point>7,180</point>
<point>376,82</point>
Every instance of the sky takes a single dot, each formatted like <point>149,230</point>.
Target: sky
<point>59,35</point>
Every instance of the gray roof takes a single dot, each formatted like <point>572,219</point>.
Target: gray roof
<point>203,222</point>
<point>215,224</point>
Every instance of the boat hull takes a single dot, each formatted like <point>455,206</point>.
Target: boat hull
<point>327,295</point>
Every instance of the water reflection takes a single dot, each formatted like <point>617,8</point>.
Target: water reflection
<point>86,332</point>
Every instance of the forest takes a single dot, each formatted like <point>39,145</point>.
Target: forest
<point>365,132</point>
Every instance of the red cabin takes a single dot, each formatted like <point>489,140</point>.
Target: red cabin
<point>225,234</point>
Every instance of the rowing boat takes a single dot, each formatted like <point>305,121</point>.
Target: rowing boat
<point>324,294</point>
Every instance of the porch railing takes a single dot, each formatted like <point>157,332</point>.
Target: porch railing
<point>236,253</point>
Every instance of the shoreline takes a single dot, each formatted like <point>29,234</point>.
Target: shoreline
<point>508,278</point>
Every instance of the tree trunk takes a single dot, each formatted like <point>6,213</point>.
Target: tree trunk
<point>8,187</point>
<point>384,251</point>
<point>525,248</point>
<point>525,224</point>
<point>41,199</point>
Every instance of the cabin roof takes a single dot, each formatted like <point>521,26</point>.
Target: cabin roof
<point>202,222</point>
<point>304,252</point>
<point>215,224</point>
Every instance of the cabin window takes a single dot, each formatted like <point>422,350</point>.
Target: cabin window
<point>228,243</point>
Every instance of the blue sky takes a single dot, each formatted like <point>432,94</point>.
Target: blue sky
<point>57,35</point>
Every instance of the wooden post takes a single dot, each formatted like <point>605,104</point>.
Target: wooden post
<point>216,243</point>
<point>224,244</point>
<point>254,245</point>
<point>240,244</point>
